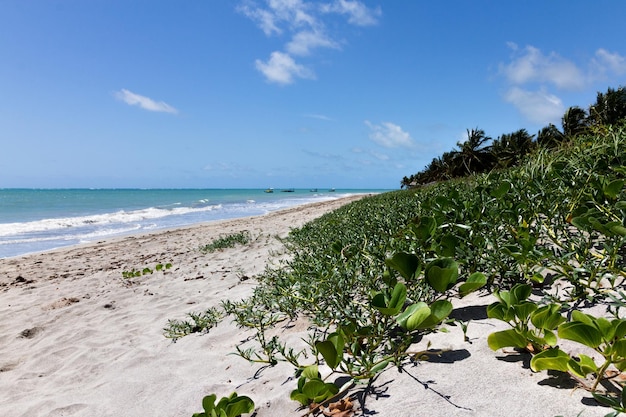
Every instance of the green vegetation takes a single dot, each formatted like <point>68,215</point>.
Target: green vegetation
<point>228,241</point>
<point>232,406</point>
<point>479,153</point>
<point>546,236</point>
<point>197,323</point>
<point>145,271</point>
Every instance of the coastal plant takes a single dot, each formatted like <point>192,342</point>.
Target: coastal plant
<point>145,271</point>
<point>532,327</point>
<point>227,241</point>
<point>231,406</point>
<point>311,388</point>
<point>197,323</point>
<point>617,403</point>
<point>606,337</point>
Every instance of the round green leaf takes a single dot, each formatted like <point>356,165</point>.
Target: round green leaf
<point>506,338</point>
<point>442,273</point>
<point>554,359</point>
<point>581,332</point>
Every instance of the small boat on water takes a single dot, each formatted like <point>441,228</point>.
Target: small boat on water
<point>332,190</point>
<point>269,190</point>
<point>288,190</point>
<point>313,190</point>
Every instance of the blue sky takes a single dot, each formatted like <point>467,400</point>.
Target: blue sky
<point>284,93</point>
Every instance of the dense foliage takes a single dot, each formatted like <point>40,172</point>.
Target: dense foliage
<point>479,153</point>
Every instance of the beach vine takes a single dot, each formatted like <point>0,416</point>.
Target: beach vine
<point>369,279</point>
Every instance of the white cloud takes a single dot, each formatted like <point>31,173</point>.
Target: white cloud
<point>281,69</point>
<point>389,135</point>
<point>532,65</point>
<point>303,22</point>
<point>145,103</point>
<point>319,117</point>
<point>538,106</point>
<point>303,42</point>
<point>358,13</point>
<point>605,62</point>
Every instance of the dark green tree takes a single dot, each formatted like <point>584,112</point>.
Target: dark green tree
<point>574,121</point>
<point>550,136</point>
<point>509,149</point>
<point>609,108</point>
<point>473,155</point>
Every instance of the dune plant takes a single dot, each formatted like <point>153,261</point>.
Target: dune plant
<point>145,271</point>
<point>606,337</point>
<point>197,323</point>
<point>227,241</point>
<point>532,327</point>
<point>231,406</point>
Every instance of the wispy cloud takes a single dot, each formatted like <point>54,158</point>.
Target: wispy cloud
<point>144,102</point>
<point>537,106</point>
<point>319,117</point>
<point>282,69</point>
<point>606,62</point>
<point>532,65</point>
<point>303,22</point>
<point>531,74</point>
<point>389,135</point>
<point>358,13</point>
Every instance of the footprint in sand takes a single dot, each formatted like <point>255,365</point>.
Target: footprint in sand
<point>30,333</point>
<point>63,302</point>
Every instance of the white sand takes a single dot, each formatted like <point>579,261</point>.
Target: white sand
<point>77,339</point>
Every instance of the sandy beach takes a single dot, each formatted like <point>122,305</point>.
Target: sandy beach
<point>79,339</point>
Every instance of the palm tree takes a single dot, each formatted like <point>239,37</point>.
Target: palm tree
<point>574,121</point>
<point>550,136</point>
<point>610,108</point>
<point>473,154</point>
<point>509,149</point>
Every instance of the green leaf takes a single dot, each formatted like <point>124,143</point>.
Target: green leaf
<point>582,317</point>
<point>417,318</point>
<point>547,317</point>
<point>524,309</point>
<point>506,338</point>
<point>329,353</point>
<point>407,264</point>
<point>314,388</point>
<point>520,292</point>
<point>442,273</point>
<point>583,367</point>
<point>474,282</point>
<point>238,406</point>
<point>581,332</point>
<point>310,372</point>
<point>499,311</point>
<point>208,403</point>
<point>402,318</point>
<point>502,189</point>
<point>424,228</point>
<point>553,359</point>
<point>439,310</point>
<point>398,296</point>
<point>613,189</point>
<point>300,397</point>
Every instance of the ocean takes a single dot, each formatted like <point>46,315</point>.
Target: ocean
<point>36,220</point>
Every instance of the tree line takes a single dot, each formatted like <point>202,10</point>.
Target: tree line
<point>480,153</point>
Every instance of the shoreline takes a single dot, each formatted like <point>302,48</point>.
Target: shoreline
<point>79,339</point>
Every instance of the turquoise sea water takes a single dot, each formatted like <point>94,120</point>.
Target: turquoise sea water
<point>35,220</point>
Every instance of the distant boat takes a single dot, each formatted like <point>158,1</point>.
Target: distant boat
<point>269,190</point>
<point>288,190</point>
<point>313,190</point>
<point>332,190</point>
